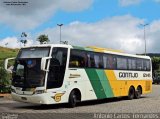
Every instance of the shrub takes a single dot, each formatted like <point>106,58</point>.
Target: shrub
<point>5,81</point>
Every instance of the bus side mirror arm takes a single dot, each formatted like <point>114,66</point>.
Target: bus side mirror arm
<point>43,63</point>
<point>9,70</point>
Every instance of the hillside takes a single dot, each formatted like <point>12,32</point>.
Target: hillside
<point>153,54</point>
<point>7,53</point>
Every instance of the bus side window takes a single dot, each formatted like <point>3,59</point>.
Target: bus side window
<point>146,65</point>
<point>98,60</point>
<point>92,61</point>
<point>139,64</point>
<point>121,63</point>
<point>105,61</point>
<point>111,62</point>
<point>105,58</point>
<point>131,64</point>
<point>78,59</point>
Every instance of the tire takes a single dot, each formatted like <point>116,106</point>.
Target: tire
<point>131,93</point>
<point>72,99</point>
<point>138,92</point>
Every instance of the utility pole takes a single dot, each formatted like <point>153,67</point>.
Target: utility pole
<point>60,25</point>
<point>145,43</point>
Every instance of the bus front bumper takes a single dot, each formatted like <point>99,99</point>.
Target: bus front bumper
<point>36,99</point>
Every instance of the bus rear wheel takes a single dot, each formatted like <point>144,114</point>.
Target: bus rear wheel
<point>131,93</point>
<point>138,92</point>
<point>72,99</point>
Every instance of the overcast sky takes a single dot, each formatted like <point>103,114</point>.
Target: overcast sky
<point>112,24</point>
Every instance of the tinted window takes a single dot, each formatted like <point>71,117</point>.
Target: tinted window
<point>146,65</point>
<point>98,60</point>
<point>88,59</point>
<point>105,61</point>
<point>139,64</point>
<point>91,61</point>
<point>111,62</point>
<point>131,64</point>
<point>78,59</point>
<point>38,52</point>
<point>121,62</point>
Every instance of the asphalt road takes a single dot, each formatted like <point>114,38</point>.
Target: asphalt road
<point>149,103</point>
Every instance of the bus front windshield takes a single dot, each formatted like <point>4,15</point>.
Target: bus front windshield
<point>27,71</point>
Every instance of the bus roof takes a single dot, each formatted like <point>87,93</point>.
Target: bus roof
<point>50,45</point>
<point>92,48</point>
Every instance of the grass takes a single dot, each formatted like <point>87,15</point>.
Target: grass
<point>7,53</point>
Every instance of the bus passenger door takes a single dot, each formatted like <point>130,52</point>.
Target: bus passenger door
<point>57,68</point>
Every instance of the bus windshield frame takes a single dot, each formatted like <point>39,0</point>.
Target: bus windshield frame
<point>27,71</point>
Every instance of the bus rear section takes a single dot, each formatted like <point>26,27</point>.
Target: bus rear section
<point>108,74</point>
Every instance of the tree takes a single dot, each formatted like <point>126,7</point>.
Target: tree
<point>43,39</point>
<point>23,37</point>
<point>24,42</point>
<point>5,81</point>
<point>156,63</point>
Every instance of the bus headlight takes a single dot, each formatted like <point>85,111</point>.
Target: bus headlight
<point>39,91</point>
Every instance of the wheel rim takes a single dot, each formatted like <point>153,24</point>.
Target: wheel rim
<point>74,100</point>
<point>131,94</point>
<point>139,92</point>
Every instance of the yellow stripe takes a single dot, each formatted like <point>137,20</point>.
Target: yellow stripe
<point>113,82</point>
<point>98,49</point>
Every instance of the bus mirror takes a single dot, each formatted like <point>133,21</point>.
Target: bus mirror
<point>8,69</point>
<point>43,63</point>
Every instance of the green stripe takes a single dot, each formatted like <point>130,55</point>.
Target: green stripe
<point>105,83</point>
<point>96,84</point>
<point>79,48</point>
<point>82,48</point>
<point>88,49</point>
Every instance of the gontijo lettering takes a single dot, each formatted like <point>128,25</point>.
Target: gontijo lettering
<point>128,75</point>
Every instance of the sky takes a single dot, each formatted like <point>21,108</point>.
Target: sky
<point>115,24</point>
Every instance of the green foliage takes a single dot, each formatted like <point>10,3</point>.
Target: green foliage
<point>7,53</point>
<point>43,38</point>
<point>156,63</point>
<point>24,42</point>
<point>5,81</point>
<point>5,78</point>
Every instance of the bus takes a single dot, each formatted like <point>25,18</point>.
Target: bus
<point>59,73</point>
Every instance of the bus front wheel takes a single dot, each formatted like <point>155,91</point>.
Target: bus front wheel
<point>72,99</point>
<point>131,93</point>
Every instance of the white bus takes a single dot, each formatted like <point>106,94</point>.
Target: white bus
<point>58,73</point>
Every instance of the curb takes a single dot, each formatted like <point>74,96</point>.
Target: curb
<point>4,95</point>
